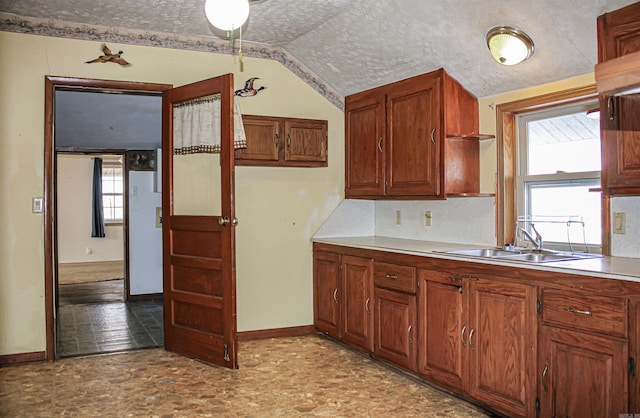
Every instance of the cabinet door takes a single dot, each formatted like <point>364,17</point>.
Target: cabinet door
<point>357,285</point>
<point>395,328</point>
<point>502,345</point>
<point>326,293</point>
<point>442,326</point>
<point>621,144</point>
<point>306,142</point>
<point>364,145</point>
<point>581,375</point>
<point>619,32</point>
<point>263,137</point>
<point>414,138</point>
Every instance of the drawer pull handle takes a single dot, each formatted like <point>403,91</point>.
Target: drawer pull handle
<point>391,276</point>
<point>335,294</point>
<point>409,334</point>
<point>544,377</point>
<point>473,347</point>
<point>366,305</point>
<point>578,311</point>
<point>433,140</point>
<point>464,328</point>
<point>380,144</point>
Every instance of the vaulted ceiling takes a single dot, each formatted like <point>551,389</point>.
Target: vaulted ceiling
<point>354,45</point>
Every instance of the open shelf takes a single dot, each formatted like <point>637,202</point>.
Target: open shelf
<point>472,136</point>
<point>619,76</point>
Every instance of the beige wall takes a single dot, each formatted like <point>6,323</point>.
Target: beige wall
<point>278,208</point>
<point>75,182</point>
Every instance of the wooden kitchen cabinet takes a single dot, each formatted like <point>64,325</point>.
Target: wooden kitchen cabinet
<point>343,298</point>
<point>283,142</point>
<point>395,323</point>
<point>442,323</point>
<point>501,340</point>
<point>583,355</point>
<point>327,283</point>
<point>357,288</point>
<point>416,138</point>
<point>619,35</point>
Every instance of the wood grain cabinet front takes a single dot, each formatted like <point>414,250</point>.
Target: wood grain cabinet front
<point>583,355</point>
<point>343,298</point>
<point>619,35</point>
<point>283,142</point>
<point>416,138</point>
<point>395,328</point>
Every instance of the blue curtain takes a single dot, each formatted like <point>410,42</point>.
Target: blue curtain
<point>97,218</point>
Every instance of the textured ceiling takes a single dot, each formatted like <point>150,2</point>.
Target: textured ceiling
<point>359,44</point>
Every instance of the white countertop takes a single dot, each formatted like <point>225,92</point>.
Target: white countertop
<point>620,268</point>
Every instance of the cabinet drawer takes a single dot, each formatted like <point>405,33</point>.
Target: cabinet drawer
<point>394,276</point>
<point>587,312</point>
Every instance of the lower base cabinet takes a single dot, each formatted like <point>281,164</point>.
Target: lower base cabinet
<point>523,343</point>
<point>395,328</point>
<point>581,375</point>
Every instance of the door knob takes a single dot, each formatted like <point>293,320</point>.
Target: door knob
<point>223,221</point>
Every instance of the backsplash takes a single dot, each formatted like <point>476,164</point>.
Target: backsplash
<point>627,244</point>
<point>456,220</point>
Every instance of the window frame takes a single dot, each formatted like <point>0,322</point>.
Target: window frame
<point>525,181</point>
<point>506,137</point>
<point>112,165</point>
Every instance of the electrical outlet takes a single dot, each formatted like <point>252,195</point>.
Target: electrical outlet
<point>619,221</point>
<point>398,217</point>
<point>427,218</point>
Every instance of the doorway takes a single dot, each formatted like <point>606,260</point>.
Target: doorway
<point>100,315</point>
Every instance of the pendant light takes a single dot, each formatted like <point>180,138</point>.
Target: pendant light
<point>508,45</point>
<point>227,14</point>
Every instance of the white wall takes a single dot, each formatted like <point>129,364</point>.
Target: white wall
<point>145,239</point>
<point>75,174</point>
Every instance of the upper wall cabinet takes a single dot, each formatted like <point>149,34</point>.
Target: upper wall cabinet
<point>413,139</point>
<point>283,142</point>
<point>618,50</point>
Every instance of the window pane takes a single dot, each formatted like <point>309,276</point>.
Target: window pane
<point>569,143</point>
<point>566,200</point>
<point>118,213</point>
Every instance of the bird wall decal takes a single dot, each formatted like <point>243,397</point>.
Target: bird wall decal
<point>110,57</point>
<point>248,89</point>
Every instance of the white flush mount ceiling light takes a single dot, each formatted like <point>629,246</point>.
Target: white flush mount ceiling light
<point>508,45</point>
<point>227,14</point>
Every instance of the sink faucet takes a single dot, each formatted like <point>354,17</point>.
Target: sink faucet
<point>537,241</point>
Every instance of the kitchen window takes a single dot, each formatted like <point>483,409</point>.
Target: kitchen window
<point>558,166</point>
<point>112,193</point>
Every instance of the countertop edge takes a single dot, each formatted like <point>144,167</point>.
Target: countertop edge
<point>618,268</point>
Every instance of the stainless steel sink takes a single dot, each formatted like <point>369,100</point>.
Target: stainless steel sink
<point>521,254</point>
<point>483,252</point>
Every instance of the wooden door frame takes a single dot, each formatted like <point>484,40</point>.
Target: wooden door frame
<point>49,204</point>
<point>506,140</point>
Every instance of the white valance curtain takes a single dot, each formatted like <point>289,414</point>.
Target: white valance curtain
<point>196,126</point>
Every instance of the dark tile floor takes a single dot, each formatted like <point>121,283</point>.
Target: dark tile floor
<point>90,328</point>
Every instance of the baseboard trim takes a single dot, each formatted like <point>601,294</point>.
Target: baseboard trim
<point>146,296</point>
<point>22,358</point>
<point>276,333</point>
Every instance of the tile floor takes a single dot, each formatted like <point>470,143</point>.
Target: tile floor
<point>107,327</point>
<point>302,376</point>
<point>93,318</point>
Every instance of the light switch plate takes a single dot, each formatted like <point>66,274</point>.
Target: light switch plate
<point>36,205</point>
<point>619,221</point>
